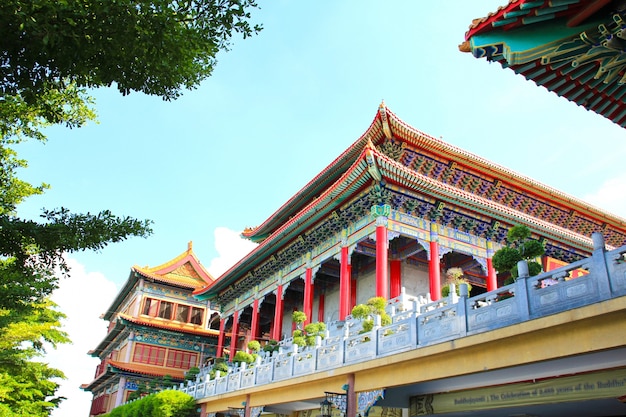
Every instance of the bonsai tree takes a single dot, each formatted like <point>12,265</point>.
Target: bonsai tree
<point>306,337</point>
<point>219,365</point>
<point>454,276</point>
<point>191,374</point>
<point>375,306</point>
<point>244,357</point>
<point>519,247</point>
<point>254,346</point>
<point>271,346</point>
<point>298,317</point>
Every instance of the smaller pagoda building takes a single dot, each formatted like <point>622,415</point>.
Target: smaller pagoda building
<point>574,48</point>
<point>157,331</point>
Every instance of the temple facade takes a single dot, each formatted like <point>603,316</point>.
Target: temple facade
<point>390,217</point>
<point>157,331</point>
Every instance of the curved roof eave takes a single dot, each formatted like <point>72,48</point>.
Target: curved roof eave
<point>353,179</point>
<point>374,133</point>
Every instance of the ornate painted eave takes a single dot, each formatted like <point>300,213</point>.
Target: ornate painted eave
<point>184,271</point>
<point>398,173</point>
<point>576,49</point>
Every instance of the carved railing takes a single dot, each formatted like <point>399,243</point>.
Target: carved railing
<point>419,322</point>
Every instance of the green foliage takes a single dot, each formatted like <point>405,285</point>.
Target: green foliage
<point>520,246</point>
<point>308,335</point>
<point>271,346</point>
<point>244,357</point>
<point>219,365</point>
<point>54,50</point>
<point>454,276</point>
<point>27,387</point>
<point>298,317</point>
<point>375,307</point>
<point>168,403</point>
<point>191,373</point>
<point>254,346</point>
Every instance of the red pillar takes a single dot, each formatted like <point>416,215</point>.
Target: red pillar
<point>382,289</point>
<point>352,291</point>
<point>434,271</point>
<point>234,336</point>
<point>320,308</point>
<point>220,339</point>
<point>395,272</point>
<point>344,284</point>
<point>254,325</point>
<point>492,279</point>
<point>278,314</point>
<point>307,304</point>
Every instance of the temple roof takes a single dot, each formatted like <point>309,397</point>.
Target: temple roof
<point>115,367</point>
<point>158,323</point>
<point>574,48</point>
<point>124,322</point>
<point>147,370</point>
<point>456,176</point>
<point>184,271</point>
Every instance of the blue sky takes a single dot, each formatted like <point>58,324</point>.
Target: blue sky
<point>279,108</point>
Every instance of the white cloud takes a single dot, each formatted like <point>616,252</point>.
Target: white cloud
<point>611,196</point>
<point>83,297</point>
<point>231,248</point>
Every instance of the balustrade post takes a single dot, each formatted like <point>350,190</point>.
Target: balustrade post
<point>599,266</point>
<point>522,290</point>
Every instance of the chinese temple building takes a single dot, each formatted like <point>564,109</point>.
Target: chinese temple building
<point>390,217</point>
<point>157,330</point>
<point>575,48</point>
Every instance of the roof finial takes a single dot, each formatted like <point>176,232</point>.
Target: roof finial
<point>382,104</point>
<point>189,246</point>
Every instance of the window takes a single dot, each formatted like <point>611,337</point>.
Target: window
<point>181,359</point>
<point>171,311</point>
<point>151,306</point>
<point>196,315</point>
<point>151,355</point>
<point>165,310</point>
<point>182,313</point>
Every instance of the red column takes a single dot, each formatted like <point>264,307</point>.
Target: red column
<point>307,304</point>
<point>278,313</point>
<point>320,308</point>
<point>352,291</point>
<point>382,289</point>
<point>492,279</point>
<point>395,278</point>
<point>234,336</point>
<point>254,325</point>
<point>344,284</point>
<point>220,339</point>
<point>434,271</point>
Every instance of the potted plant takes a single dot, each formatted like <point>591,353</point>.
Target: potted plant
<point>375,306</point>
<point>454,276</point>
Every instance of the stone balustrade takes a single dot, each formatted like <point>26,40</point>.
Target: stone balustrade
<point>417,322</point>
